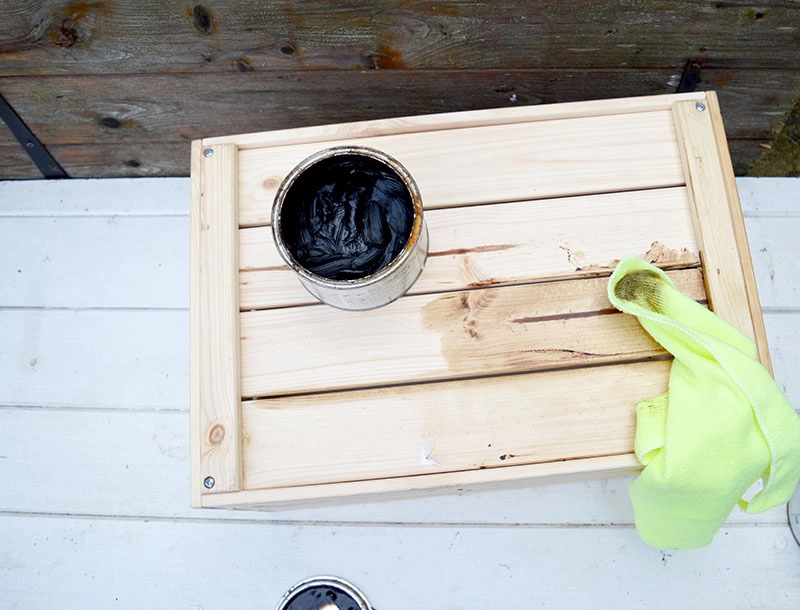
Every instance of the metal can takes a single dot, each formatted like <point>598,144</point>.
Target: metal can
<point>348,220</point>
<point>324,593</point>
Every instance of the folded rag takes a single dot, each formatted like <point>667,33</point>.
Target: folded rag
<point>723,424</point>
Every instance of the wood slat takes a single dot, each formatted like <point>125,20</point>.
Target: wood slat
<point>121,449</point>
<point>177,108</point>
<point>448,427</point>
<point>141,124</point>
<point>706,186</point>
<point>388,562</point>
<point>439,337</point>
<point>426,486</point>
<point>739,232</point>
<point>498,162</point>
<point>451,120</point>
<point>114,36</point>
<point>508,243</point>
<point>214,318</point>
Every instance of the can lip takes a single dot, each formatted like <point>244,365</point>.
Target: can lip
<point>334,582</point>
<point>337,151</point>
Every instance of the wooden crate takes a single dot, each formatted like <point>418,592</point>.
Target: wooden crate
<point>505,364</point>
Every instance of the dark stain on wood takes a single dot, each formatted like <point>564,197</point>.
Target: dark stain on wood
<point>110,122</point>
<point>530,327</point>
<point>75,25</point>
<point>288,49</point>
<point>242,64</point>
<point>202,19</point>
<point>756,14</point>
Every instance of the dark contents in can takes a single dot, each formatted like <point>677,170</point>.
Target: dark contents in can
<point>316,598</point>
<point>347,217</point>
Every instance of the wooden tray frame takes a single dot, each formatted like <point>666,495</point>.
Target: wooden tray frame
<point>219,433</point>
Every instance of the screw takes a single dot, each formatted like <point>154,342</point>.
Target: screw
<point>209,482</point>
<point>30,144</point>
<point>208,153</point>
<point>700,106</point>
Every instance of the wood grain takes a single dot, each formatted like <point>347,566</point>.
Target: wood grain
<point>439,337</point>
<point>739,233</point>
<point>141,124</point>
<point>448,427</point>
<point>708,193</point>
<point>495,163</point>
<point>214,310</point>
<point>508,243</point>
<point>159,159</point>
<point>113,36</point>
<point>382,560</point>
<point>121,449</point>
<point>177,108</point>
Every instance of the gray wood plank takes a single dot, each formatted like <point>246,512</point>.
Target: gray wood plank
<point>113,36</point>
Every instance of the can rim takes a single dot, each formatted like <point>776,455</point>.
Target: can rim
<point>324,581</point>
<point>337,151</point>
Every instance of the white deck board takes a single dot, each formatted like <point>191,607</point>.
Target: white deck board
<point>56,562</point>
<point>94,450</point>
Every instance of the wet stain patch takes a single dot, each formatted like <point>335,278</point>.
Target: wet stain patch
<point>533,327</point>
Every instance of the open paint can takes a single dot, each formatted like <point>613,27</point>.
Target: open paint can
<point>324,593</point>
<point>348,221</point>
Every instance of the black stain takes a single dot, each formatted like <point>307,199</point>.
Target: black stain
<point>110,122</point>
<point>202,19</point>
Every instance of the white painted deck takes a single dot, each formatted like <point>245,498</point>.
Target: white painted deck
<point>94,491</point>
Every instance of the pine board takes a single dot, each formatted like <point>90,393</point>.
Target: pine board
<point>494,245</point>
<point>530,211</point>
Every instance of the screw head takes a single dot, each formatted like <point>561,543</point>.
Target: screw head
<point>209,482</point>
<point>30,144</point>
<point>208,153</point>
<point>700,106</point>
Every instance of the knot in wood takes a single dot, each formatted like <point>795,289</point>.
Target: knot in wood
<point>217,434</point>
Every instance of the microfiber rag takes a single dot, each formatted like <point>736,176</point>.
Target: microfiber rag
<point>723,424</point>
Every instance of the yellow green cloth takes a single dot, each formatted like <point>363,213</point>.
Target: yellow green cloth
<point>723,425</point>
